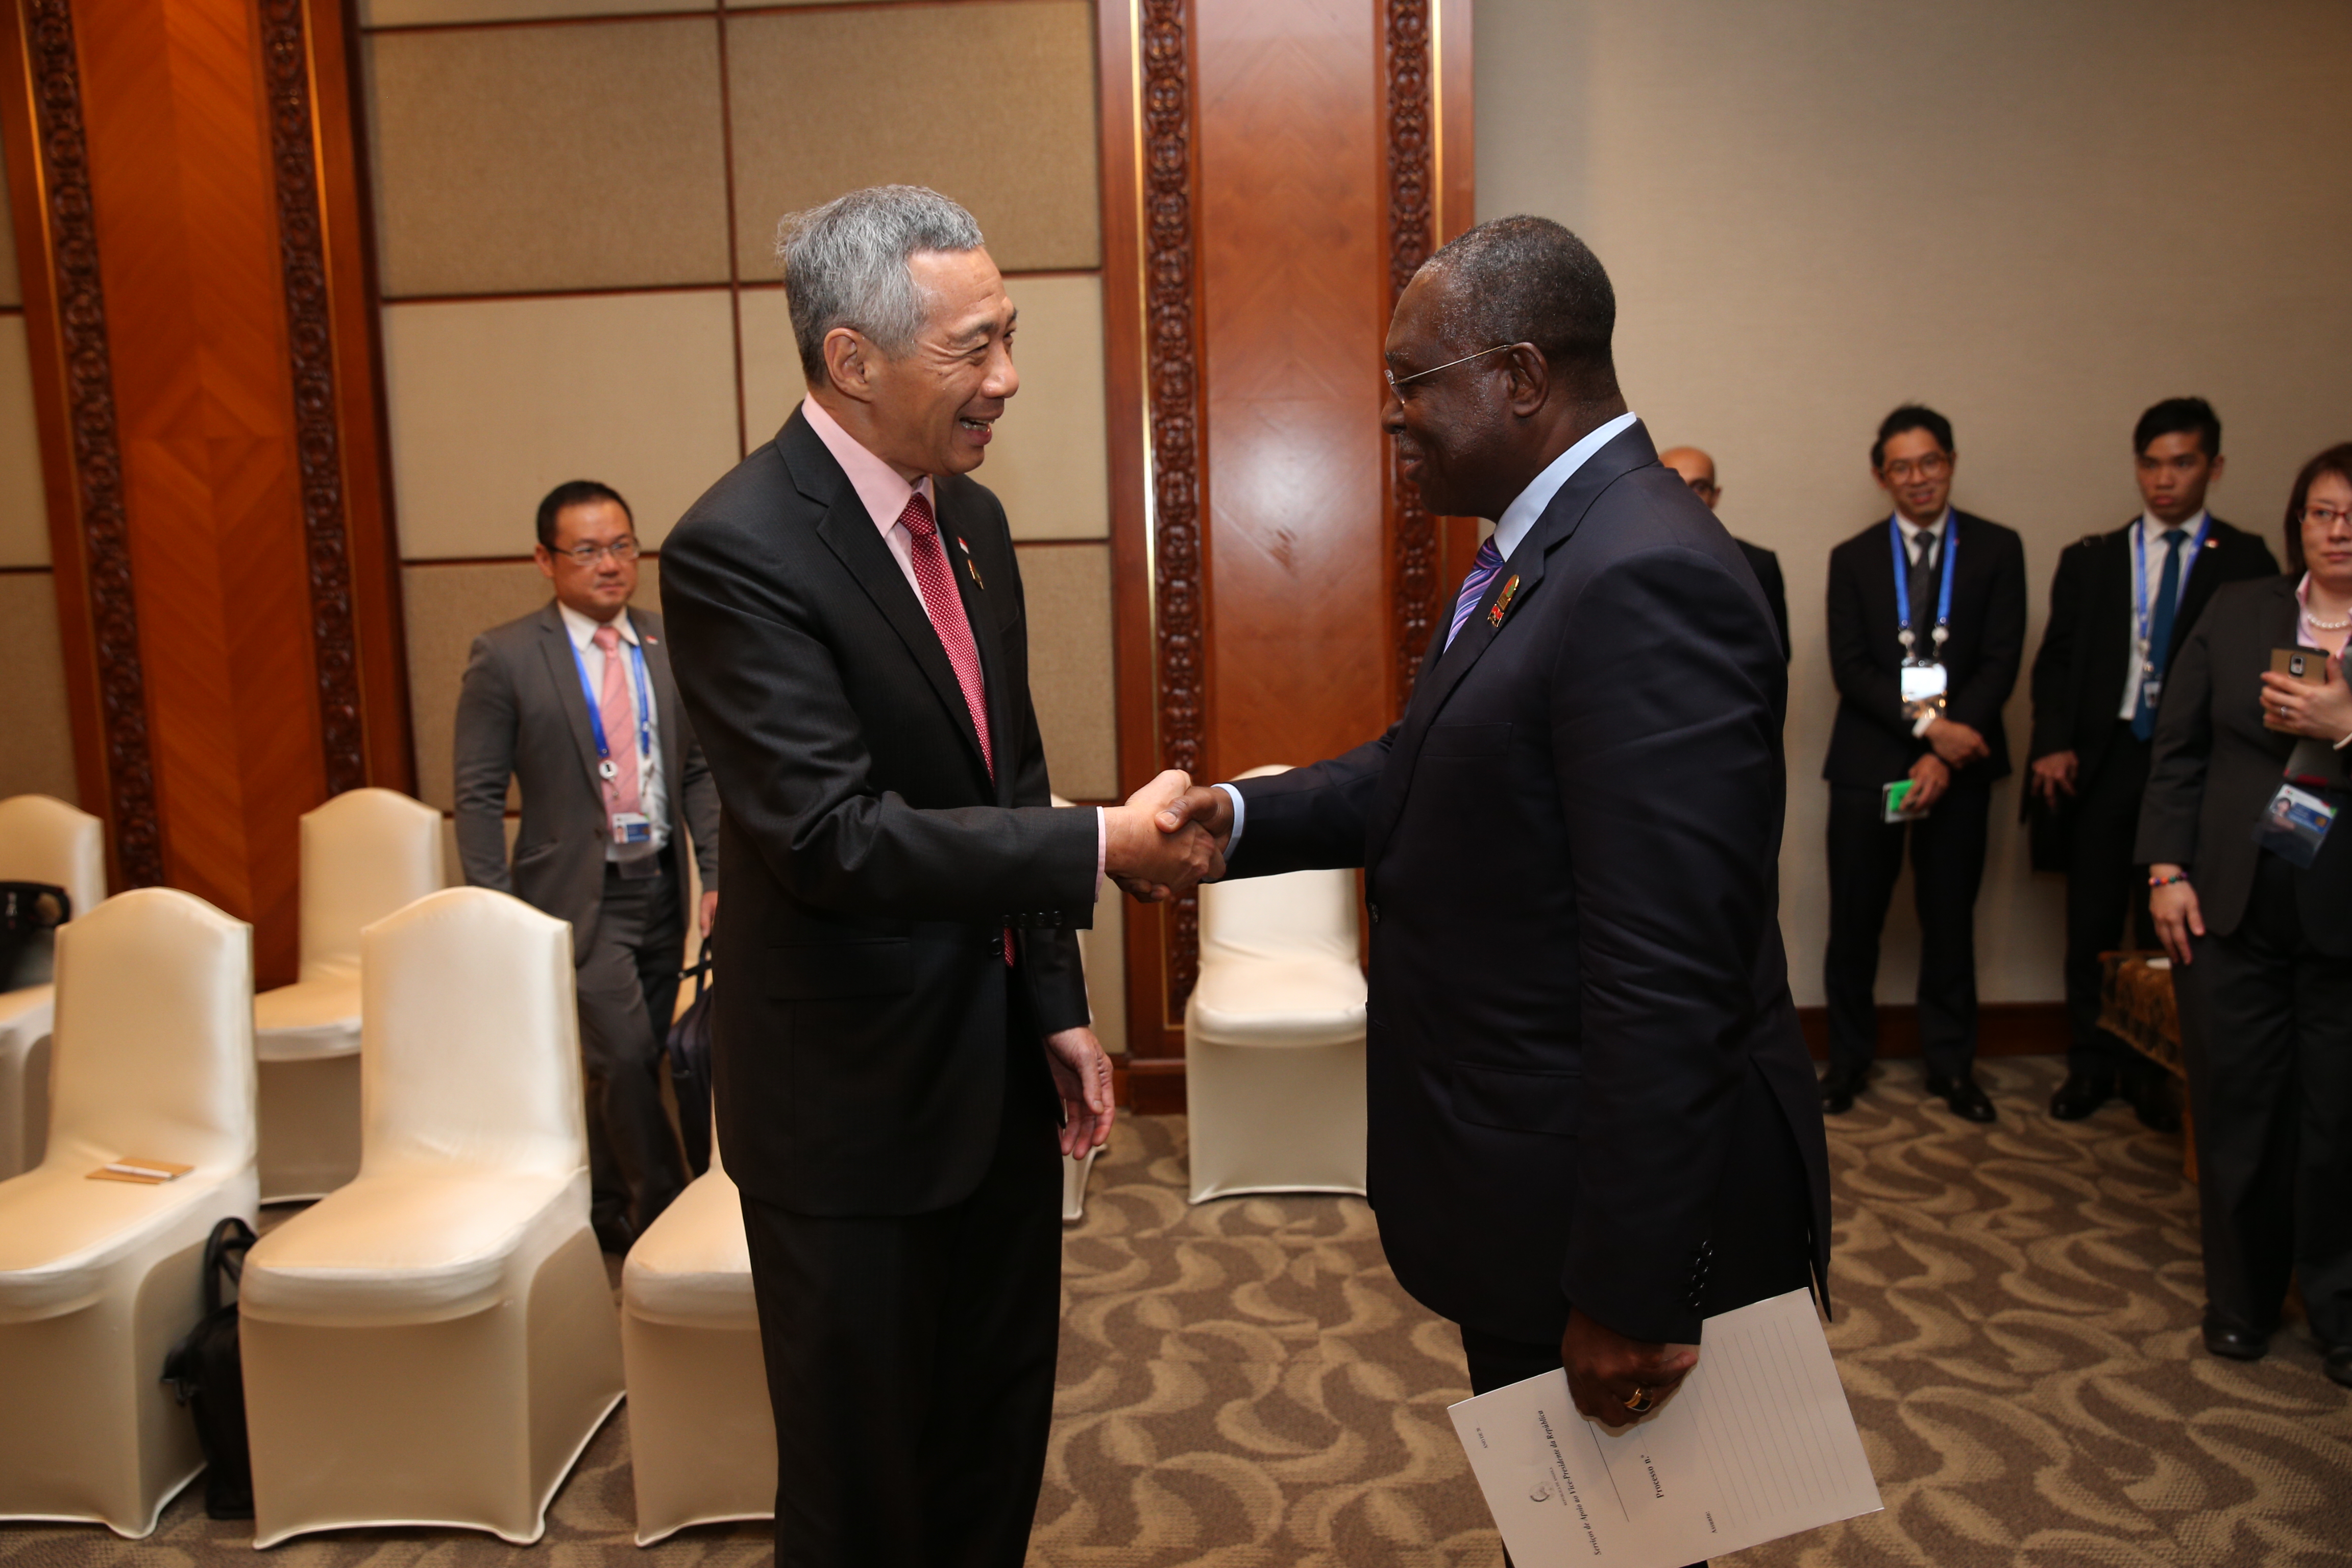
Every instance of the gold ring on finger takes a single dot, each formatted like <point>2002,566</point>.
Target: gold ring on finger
<point>1639,1401</point>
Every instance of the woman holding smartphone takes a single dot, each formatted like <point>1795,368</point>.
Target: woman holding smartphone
<point>2246,830</point>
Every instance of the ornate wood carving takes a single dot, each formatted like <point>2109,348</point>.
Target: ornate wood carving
<point>310,335</point>
<point>1173,368</point>
<point>97,441</point>
<point>1413,227</point>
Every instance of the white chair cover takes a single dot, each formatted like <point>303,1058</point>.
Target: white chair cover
<point>702,1439</point>
<point>42,839</point>
<point>365,853</point>
<point>153,1060</point>
<point>435,1343</point>
<point>1273,1037</point>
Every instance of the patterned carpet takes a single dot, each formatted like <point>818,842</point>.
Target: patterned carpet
<point>1243,1386</point>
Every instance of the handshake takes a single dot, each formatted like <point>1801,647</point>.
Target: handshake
<point>1169,836</point>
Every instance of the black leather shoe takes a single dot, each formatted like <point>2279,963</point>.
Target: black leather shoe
<point>2080,1094</point>
<point>2153,1103</point>
<point>2241,1344</point>
<point>1967,1100</point>
<point>2338,1365</point>
<point>1838,1090</point>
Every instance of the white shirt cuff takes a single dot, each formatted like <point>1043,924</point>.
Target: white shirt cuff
<point>1241,811</point>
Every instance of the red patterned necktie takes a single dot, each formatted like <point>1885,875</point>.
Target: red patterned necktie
<point>945,608</point>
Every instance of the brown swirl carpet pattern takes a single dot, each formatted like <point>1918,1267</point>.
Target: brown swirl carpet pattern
<point>1242,1384</point>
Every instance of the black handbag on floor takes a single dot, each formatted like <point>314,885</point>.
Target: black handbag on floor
<point>689,1065</point>
<point>207,1371</point>
<point>30,913</point>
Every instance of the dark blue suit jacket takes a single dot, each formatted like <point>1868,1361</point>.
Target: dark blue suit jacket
<point>1578,993</point>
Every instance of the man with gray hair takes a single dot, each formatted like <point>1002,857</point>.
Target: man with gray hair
<point>904,1020</point>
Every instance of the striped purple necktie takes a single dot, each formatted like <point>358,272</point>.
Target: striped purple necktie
<point>1473,587</point>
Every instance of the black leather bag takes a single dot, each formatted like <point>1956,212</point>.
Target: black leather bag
<point>689,1065</point>
<point>30,913</point>
<point>207,1371</point>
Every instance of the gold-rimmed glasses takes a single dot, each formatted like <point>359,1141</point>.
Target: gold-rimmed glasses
<point>622,550</point>
<point>1396,381</point>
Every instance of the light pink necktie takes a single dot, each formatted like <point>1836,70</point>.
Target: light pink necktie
<point>945,608</point>
<point>620,730</point>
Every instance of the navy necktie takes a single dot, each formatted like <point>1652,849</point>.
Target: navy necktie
<point>1490,561</point>
<point>2160,631</point>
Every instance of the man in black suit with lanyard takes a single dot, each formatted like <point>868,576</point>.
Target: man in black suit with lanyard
<point>1926,621</point>
<point>2121,603</point>
<point>902,1011</point>
<point>1592,1123</point>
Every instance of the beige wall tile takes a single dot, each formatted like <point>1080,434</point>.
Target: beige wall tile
<point>447,609</point>
<point>1070,664</point>
<point>414,13</point>
<point>519,159</point>
<point>38,757</point>
<point>1004,122</point>
<point>1049,463</point>
<point>11,288</point>
<point>24,512</point>
<point>1804,229</point>
<point>493,403</point>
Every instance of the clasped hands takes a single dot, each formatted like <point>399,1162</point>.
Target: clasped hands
<point>1952,745</point>
<point>1170,837</point>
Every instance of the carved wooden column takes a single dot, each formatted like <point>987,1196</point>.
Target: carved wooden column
<point>1274,171</point>
<point>190,221</point>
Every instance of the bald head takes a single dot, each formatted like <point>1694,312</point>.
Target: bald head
<point>1697,470</point>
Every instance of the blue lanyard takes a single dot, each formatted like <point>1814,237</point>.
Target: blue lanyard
<point>2139,577</point>
<point>595,705</point>
<point>1902,581</point>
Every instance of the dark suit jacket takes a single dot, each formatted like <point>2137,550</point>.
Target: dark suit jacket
<point>1871,743</point>
<point>2215,768</point>
<point>522,715</point>
<point>2078,676</point>
<point>1766,567</point>
<point>860,1033</point>
<point>1571,845</point>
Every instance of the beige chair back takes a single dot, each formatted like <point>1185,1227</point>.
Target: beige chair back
<point>470,1042</point>
<point>43,840</point>
<point>1299,914</point>
<point>154,1035</point>
<point>365,853</point>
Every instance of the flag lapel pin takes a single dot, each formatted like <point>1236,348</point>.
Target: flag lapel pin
<point>1503,605</point>
<point>969,564</point>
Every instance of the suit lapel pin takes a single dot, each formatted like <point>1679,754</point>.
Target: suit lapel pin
<point>1503,605</point>
<point>969,564</point>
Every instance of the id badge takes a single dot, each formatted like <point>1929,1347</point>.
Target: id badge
<point>1923,687</point>
<point>632,827</point>
<point>2294,824</point>
<point>2151,692</point>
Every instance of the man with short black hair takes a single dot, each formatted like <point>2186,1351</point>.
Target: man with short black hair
<point>2121,603</point>
<point>1926,623</point>
<point>575,702</point>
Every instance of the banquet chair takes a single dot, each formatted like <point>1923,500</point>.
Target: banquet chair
<point>42,839</point>
<point>153,1062</point>
<point>1273,1037</point>
<point>702,1440</point>
<point>365,853</point>
<point>435,1343</point>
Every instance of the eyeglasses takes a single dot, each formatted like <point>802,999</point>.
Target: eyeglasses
<point>1396,381</point>
<point>2325,516</point>
<point>621,550</point>
<point>1934,466</point>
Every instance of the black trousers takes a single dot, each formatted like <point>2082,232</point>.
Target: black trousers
<point>2106,892</point>
<point>1763,1244</point>
<point>629,970</point>
<point>1947,853</point>
<point>910,1362</point>
<point>2266,1031</point>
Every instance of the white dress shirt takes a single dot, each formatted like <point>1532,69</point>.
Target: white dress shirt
<point>653,797</point>
<point>1517,520</point>
<point>2151,543</point>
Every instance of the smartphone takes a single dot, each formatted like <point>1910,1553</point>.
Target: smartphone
<point>2308,665</point>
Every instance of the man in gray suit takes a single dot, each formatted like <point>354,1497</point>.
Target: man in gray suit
<point>576,701</point>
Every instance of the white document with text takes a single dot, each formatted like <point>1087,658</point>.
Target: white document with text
<point>1758,1443</point>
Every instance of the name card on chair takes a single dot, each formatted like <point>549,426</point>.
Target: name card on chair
<point>142,1172</point>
